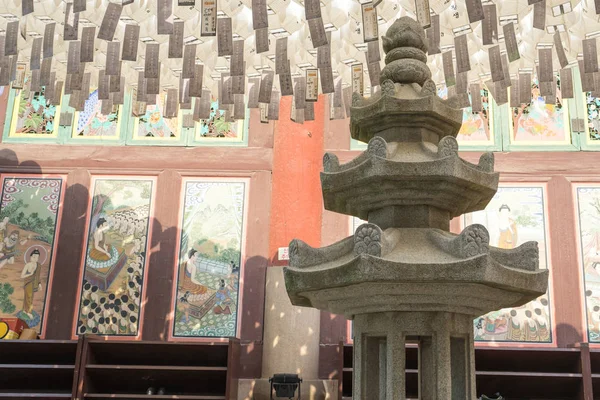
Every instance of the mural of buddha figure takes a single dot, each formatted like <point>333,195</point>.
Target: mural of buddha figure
<point>508,229</point>
<point>101,254</point>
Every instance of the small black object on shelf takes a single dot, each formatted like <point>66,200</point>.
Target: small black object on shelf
<point>285,385</point>
<point>497,396</point>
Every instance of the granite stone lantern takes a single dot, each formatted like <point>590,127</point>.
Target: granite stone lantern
<point>403,277</point>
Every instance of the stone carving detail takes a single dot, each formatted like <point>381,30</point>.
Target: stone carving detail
<point>330,162</point>
<point>429,88</point>
<point>405,32</point>
<point>388,88</point>
<point>367,240</point>
<point>474,240</point>
<point>406,71</point>
<point>486,162</point>
<point>405,52</point>
<point>378,147</point>
<point>525,256</point>
<point>405,45</point>
<point>448,146</point>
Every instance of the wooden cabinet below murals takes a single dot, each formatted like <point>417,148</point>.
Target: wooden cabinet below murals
<point>37,369</point>
<point>93,368</point>
<point>134,369</point>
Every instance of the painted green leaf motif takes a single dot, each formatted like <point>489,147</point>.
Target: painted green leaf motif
<point>6,306</point>
<point>33,122</point>
<point>221,125</point>
<point>22,106</point>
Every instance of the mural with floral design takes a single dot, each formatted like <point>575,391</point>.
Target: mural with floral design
<point>217,127</point>
<point>593,117</point>
<point>92,123</point>
<point>33,115</point>
<point>28,227</point>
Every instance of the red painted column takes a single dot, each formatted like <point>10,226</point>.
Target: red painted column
<point>291,334</point>
<point>297,201</point>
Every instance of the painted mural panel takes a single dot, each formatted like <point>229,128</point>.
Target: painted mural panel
<point>115,257</point>
<point>592,127</point>
<point>588,205</point>
<point>29,219</point>
<point>207,297</point>
<point>516,215</point>
<point>217,128</point>
<point>92,124</point>
<point>539,123</point>
<point>33,116</point>
<point>477,127</point>
<point>152,126</point>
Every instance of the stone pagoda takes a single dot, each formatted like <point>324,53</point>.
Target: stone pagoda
<point>403,277</point>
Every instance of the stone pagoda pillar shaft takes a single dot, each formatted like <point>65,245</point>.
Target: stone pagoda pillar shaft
<point>446,359</point>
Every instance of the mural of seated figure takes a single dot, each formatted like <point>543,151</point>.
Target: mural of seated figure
<point>104,260</point>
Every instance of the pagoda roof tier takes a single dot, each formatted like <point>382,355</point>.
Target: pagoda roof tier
<point>413,270</point>
<point>399,111</point>
<point>414,175</point>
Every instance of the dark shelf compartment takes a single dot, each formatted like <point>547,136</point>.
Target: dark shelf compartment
<point>135,381</point>
<point>528,360</point>
<point>158,353</point>
<point>34,395</point>
<point>595,361</point>
<point>42,369</point>
<point>36,379</point>
<point>126,369</point>
<point>527,386</point>
<point>38,351</point>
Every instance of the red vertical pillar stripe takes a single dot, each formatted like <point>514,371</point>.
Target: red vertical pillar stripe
<point>296,203</point>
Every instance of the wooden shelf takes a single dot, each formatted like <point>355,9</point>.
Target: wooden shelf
<point>98,369</point>
<point>126,369</point>
<point>553,375</point>
<point>174,368</point>
<point>45,396</point>
<point>36,366</point>
<point>211,354</point>
<point>147,396</point>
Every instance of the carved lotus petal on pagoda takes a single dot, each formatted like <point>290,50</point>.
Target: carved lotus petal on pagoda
<point>447,147</point>
<point>330,162</point>
<point>367,240</point>
<point>429,89</point>
<point>377,147</point>
<point>474,240</point>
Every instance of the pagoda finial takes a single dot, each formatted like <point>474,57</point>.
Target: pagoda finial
<point>405,45</point>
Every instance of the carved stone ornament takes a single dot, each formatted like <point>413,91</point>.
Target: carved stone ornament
<point>367,240</point>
